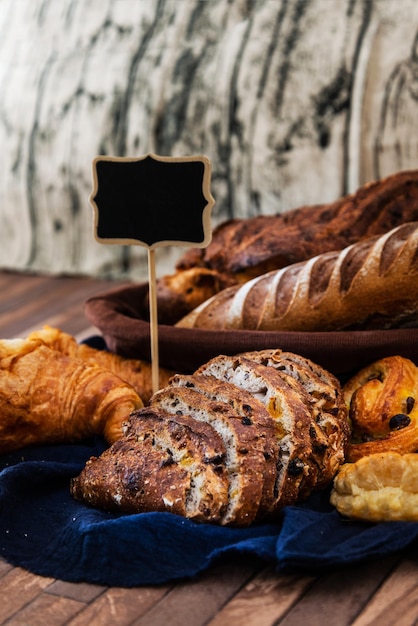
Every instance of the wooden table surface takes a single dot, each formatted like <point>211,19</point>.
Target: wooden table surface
<point>240,592</point>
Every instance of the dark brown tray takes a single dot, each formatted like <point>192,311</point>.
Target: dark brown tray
<point>126,331</point>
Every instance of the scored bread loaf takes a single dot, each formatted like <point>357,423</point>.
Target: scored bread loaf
<point>243,248</point>
<point>248,247</point>
<point>276,437</point>
<point>371,284</point>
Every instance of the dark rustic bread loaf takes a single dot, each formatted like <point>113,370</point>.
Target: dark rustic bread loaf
<point>164,463</point>
<point>253,246</point>
<point>244,248</point>
<point>371,284</point>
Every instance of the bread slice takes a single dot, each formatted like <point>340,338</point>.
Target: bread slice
<point>164,463</point>
<point>296,470</point>
<point>252,412</point>
<point>244,449</point>
<point>323,394</point>
<point>133,478</point>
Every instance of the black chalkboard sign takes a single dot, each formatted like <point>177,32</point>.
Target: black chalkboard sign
<point>152,200</point>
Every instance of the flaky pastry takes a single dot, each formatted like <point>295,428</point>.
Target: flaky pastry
<point>382,403</point>
<point>382,487</point>
<point>136,372</point>
<point>47,397</point>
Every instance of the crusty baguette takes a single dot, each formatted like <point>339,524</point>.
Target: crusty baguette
<point>243,248</point>
<point>371,284</point>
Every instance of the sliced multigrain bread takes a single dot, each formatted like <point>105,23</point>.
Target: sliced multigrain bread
<point>232,443</point>
<point>164,463</point>
<point>133,478</point>
<point>323,395</point>
<point>297,472</point>
<point>252,412</point>
<point>244,448</point>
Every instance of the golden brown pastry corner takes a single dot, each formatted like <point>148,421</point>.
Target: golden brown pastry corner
<point>381,487</point>
<point>382,404</point>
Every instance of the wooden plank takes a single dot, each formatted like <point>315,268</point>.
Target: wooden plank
<point>119,606</point>
<point>46,610</point>
<point>21,290</point>
<point>396,601</point>
<point>263,600</point>
<point>340,595</point>
<point>43,303</point>
<point>15,286</point>
<point>197,601</point>
<point>18,588</point>
<point>4,567</point>
<point>83,592</point>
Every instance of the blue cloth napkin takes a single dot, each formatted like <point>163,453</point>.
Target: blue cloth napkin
<point>43,529</point>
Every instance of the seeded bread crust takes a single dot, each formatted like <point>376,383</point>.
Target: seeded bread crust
<point>297,473</point>
<point>323,395</point>
<point>252,412</point>
<point>244,448</point>
<point>232,443</point>
<point>164,463</point>
<point>123,478</point>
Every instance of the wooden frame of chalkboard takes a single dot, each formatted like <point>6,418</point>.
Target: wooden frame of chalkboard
<point>152,200</point>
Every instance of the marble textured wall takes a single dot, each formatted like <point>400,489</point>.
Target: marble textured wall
<point>294,101</point>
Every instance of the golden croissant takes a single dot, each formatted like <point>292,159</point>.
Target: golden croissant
<point>48,397</point>
<point>136,372</point>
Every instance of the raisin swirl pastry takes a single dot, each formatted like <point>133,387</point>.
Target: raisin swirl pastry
<point>383,408</point>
